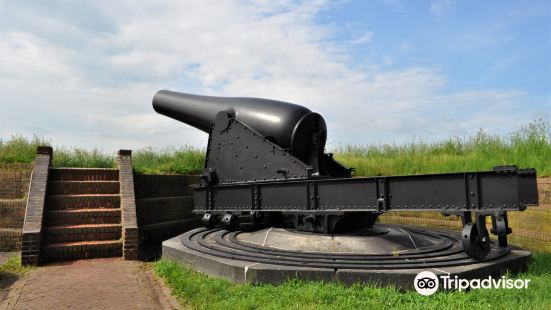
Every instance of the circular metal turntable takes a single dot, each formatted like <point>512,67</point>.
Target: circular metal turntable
<point>386,254</point>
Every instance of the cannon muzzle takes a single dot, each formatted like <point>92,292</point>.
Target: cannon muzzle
<point>288,125</point>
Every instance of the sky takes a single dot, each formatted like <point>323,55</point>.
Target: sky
<point>82,74</point>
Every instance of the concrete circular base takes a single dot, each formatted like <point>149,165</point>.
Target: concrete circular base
<point>384,254</point>
<point>377,240</point>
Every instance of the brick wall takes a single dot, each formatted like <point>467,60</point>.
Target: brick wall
<point>12,213</point>
<point>164,205</point>
<point>10,240</point>
<point>14,180</point>
<point>544,190</point>
<point>14,185</point>
<point>32,226</point>
<point>128,205</point>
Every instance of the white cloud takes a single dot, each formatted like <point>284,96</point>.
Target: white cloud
<point>440,7</point>
<point>86,76</point>
<point>366,37</point>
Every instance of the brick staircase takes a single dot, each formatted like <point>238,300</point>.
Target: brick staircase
<point>82,215</point>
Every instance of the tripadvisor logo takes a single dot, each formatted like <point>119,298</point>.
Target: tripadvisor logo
<point>427,283</point>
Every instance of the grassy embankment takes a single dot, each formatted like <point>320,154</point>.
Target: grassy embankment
<point>528,147</point>
<point>201,292</point>
<point>184,160</point>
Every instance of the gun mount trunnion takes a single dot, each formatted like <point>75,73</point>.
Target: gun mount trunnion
<point>266,158</point>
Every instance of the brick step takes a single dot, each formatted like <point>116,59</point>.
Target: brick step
<point>83,216</point>
<point>88,232</point>
<point>91,201</point>
<point>80,250</point>
<point>83,187</point>
<point>83,174</point>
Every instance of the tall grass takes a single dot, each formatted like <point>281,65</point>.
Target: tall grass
<point>529,146</point>
<point>184,160</point>
<point>21,150</point>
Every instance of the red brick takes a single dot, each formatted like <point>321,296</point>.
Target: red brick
<point>73,233</point>
<point>82,187</point>
<point>90,201</point>
<point>83,216</point>
<point>84,174</point>
<point>81,250</point>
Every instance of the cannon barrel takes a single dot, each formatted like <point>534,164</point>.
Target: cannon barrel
<point>288,125</point>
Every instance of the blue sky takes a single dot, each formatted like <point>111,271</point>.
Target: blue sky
<point>477,44</point>
<point>381,71</point>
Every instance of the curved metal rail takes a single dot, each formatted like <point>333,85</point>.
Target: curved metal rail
<point>446,253</point>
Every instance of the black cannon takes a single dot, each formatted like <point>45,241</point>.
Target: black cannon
<point>266,158</point>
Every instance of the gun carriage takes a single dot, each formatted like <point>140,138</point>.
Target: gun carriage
<point>266,158</point>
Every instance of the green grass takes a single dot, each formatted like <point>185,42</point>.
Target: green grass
<point>18,149</point>
<point>528,147</point>
<point>12,266</point>
<point>184,160</point>
<point>202,292</point>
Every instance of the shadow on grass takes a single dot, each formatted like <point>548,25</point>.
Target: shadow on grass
<point>7,279</point>
<point>11,270</point>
